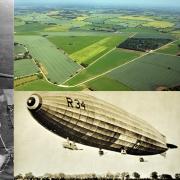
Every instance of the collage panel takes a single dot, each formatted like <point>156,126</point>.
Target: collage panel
<point>81,135</point>
<point>97,45</point>
<point>82,76</point>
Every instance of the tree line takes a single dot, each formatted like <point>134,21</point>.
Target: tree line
<point>123,176</point>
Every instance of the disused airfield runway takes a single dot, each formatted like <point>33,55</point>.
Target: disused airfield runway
<point>6,44</point>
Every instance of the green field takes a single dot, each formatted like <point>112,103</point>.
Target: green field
<point>173,49</point>
<point>104,83</point>
<point>113,59</point>
<point>88,48</point>
<point>71,44</point>
<point>149,72</point>
<point>30,27</point>
<point>153,35</point>
<point>55,64</point>
<point>43,85</point>
<point>25,67</point>
<point>159,24</point>
<point>90,53</point>
<point>18,49</point>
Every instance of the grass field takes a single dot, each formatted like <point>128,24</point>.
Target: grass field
<point>58,28</point>
<point>83,33</point>
<point>18,49</point>
<point>115,58</point>
<point>159,24</point>
<point>71,44</point>
<point>30,27</point>
<point>149,72</point>
<point>90,53</point>
<point>99,84</point>
<point>25,67</point>
<point>106,84</point>
<point>139,18</point>
<point>58,65</point>
<point>173,48</point>
<point>43,85</point>
<point>156,35</point>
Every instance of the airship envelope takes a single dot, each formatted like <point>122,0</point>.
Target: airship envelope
<point>93,122</point>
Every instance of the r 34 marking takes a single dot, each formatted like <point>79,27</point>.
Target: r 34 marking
<point>75,103</point>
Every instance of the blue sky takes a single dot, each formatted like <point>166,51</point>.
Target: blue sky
<point>152,3</point>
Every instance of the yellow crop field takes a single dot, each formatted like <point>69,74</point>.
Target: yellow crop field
<point>159,24</point>
<point>58,28</point>
<point>90,51</point>
<point>81,18</point>
<point>18,82</point>
<point>137,18</point>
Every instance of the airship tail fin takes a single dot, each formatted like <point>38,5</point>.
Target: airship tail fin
<point>171,146</point>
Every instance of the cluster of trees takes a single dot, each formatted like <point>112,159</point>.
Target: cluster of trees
<point>23,55</point>
<point>143,44</point>
<point>124,175</point>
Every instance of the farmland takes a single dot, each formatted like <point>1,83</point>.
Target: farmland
<point>112,60</point>
<point>96,49</point>
<point>43,85</point>
<point>72,44</point>
<point>173,49</point>
<point>25,67</point>
<point>88,54</point>
<point>149,72</point>
<point>105,83</point>
<point>55,64</point>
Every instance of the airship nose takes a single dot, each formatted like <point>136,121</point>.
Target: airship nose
<point>34,102</point>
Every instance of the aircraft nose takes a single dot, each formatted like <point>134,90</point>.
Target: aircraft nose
<point>34,102</point>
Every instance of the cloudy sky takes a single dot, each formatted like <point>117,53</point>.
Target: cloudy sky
<point>39,151</point>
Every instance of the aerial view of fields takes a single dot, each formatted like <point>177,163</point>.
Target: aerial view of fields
<point>81,46</point>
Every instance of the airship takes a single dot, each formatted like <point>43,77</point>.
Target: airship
<point>85,119</point>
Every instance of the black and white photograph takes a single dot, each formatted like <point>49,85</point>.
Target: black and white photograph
<point>6,44</point>
<point>95,135</point>
<point>6,134</point>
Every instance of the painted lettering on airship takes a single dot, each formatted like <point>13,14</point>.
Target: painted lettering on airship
<point>75,103</point>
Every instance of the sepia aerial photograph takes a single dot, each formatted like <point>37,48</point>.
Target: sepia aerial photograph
<point>97,45</point>
<point>6,44</point>
<point>97,135</point>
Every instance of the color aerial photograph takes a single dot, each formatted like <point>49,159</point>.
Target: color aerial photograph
<point>97,45</point>
<point>96,135</point>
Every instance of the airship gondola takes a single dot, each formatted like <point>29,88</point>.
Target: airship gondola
<point>87,120</point>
